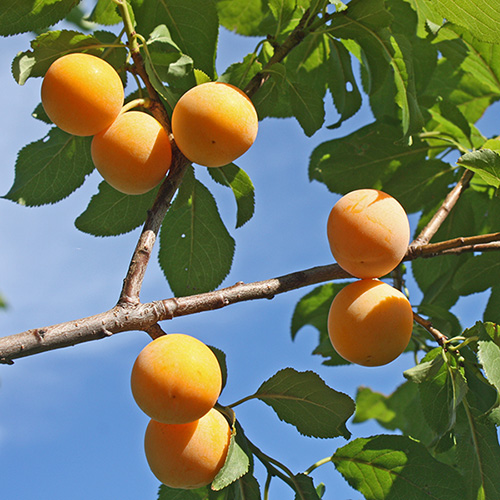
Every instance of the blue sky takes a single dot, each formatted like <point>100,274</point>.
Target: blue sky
<point>68,425</point>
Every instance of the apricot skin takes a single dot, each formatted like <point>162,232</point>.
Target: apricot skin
<point>133,154</point>
<point>370,322</point>
<point>176,379</point>
<point>214,123</point>
<point>368,232</point>
<point>188,455</point>
<point>82,94</point>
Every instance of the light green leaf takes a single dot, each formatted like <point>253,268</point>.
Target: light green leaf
<point>105,12</point>
<point>193,25</point>
<point>235,466</point>
<point>196,251</point>
<point>481,17</point>
<point>396,467</point>
<point>485,163</point>
<point>240,183</point>
<point>48,47</point>
<point>245,17</point>
<point>488,351</point>
<point>170,64</point>
<point>239,74</point>
<point>50,169</point>
<point>111,213</point>
<point>305,401</point>
<point>27,15</point>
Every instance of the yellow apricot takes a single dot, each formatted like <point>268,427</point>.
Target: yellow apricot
<point>82,94</point>
<point>370,322</point>
<point>133,154</point>
<point>176,379</point>
<point>188,455</point>
<point>214,123</point>
<point>368,232</point>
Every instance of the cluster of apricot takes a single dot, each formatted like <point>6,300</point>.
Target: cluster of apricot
<point>369,322</point>
<point>213,123</point>
<point>176,380</point>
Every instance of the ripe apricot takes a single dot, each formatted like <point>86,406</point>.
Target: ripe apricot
<point>214,123</point>
<point>82,94</point>
<point>133,154</point>
<point>188,455</point>
<point>368,232</point>
<point>370,322</point>
<point>176,379</point>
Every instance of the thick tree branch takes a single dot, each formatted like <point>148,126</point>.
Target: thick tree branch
<point>128,316</point>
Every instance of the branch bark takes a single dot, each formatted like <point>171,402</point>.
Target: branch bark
<point>128,316</point>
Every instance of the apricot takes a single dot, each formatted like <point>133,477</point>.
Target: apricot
<point>133,154</point>
<point>368,232</point>
<point>370,322</point>
<point>188,455</point>
<point>214,123</point>
<point>82,94</point>
<point>176,379</point>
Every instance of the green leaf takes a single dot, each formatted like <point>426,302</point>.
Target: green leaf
<point>400,410</point>
<point>364,158</point>
<point>247,17</point>
<point>305,401</point>
<point>50,169</point>
<point>442,387</point>
<point>304,488</point>
<point>307,107</point>
<point>312,309</point>
<point>341,82</point>
<point>28,15</point>
<point>240,183</point>
<point>221,358</point>
<point>488,352</point>
<point>478,455</point>
<point>235,466</point>
<point>468,74</point>
<point>170,64</point>
<point>246,488</point>
<point>110,212</point>
<point>396,467</point>
<point>193,25</point>
<point>418,186</point>
<point>239,74</point>
<point>105,12</point>
<point>477,274</point>
<point>485,163</point>
<point>481,17</point>
<point>48,47</point>
<point>492,311</point>
<point>196,251</point>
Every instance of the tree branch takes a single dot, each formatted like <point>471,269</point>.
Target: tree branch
<point>128,316</point>
<point>439,217</point>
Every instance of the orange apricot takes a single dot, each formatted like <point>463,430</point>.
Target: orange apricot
<point>133,154</point>
<point>370,322</point>
<point>176,379</point>
<point>82,94</point>
<point>214,123</point>
<point>188,455</point>
<point>368,232</point>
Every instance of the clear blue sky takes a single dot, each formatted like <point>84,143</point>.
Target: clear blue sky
<point>69,428</point>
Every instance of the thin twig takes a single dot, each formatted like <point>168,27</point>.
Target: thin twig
<point>438,336</point>
<point>439,217</point>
